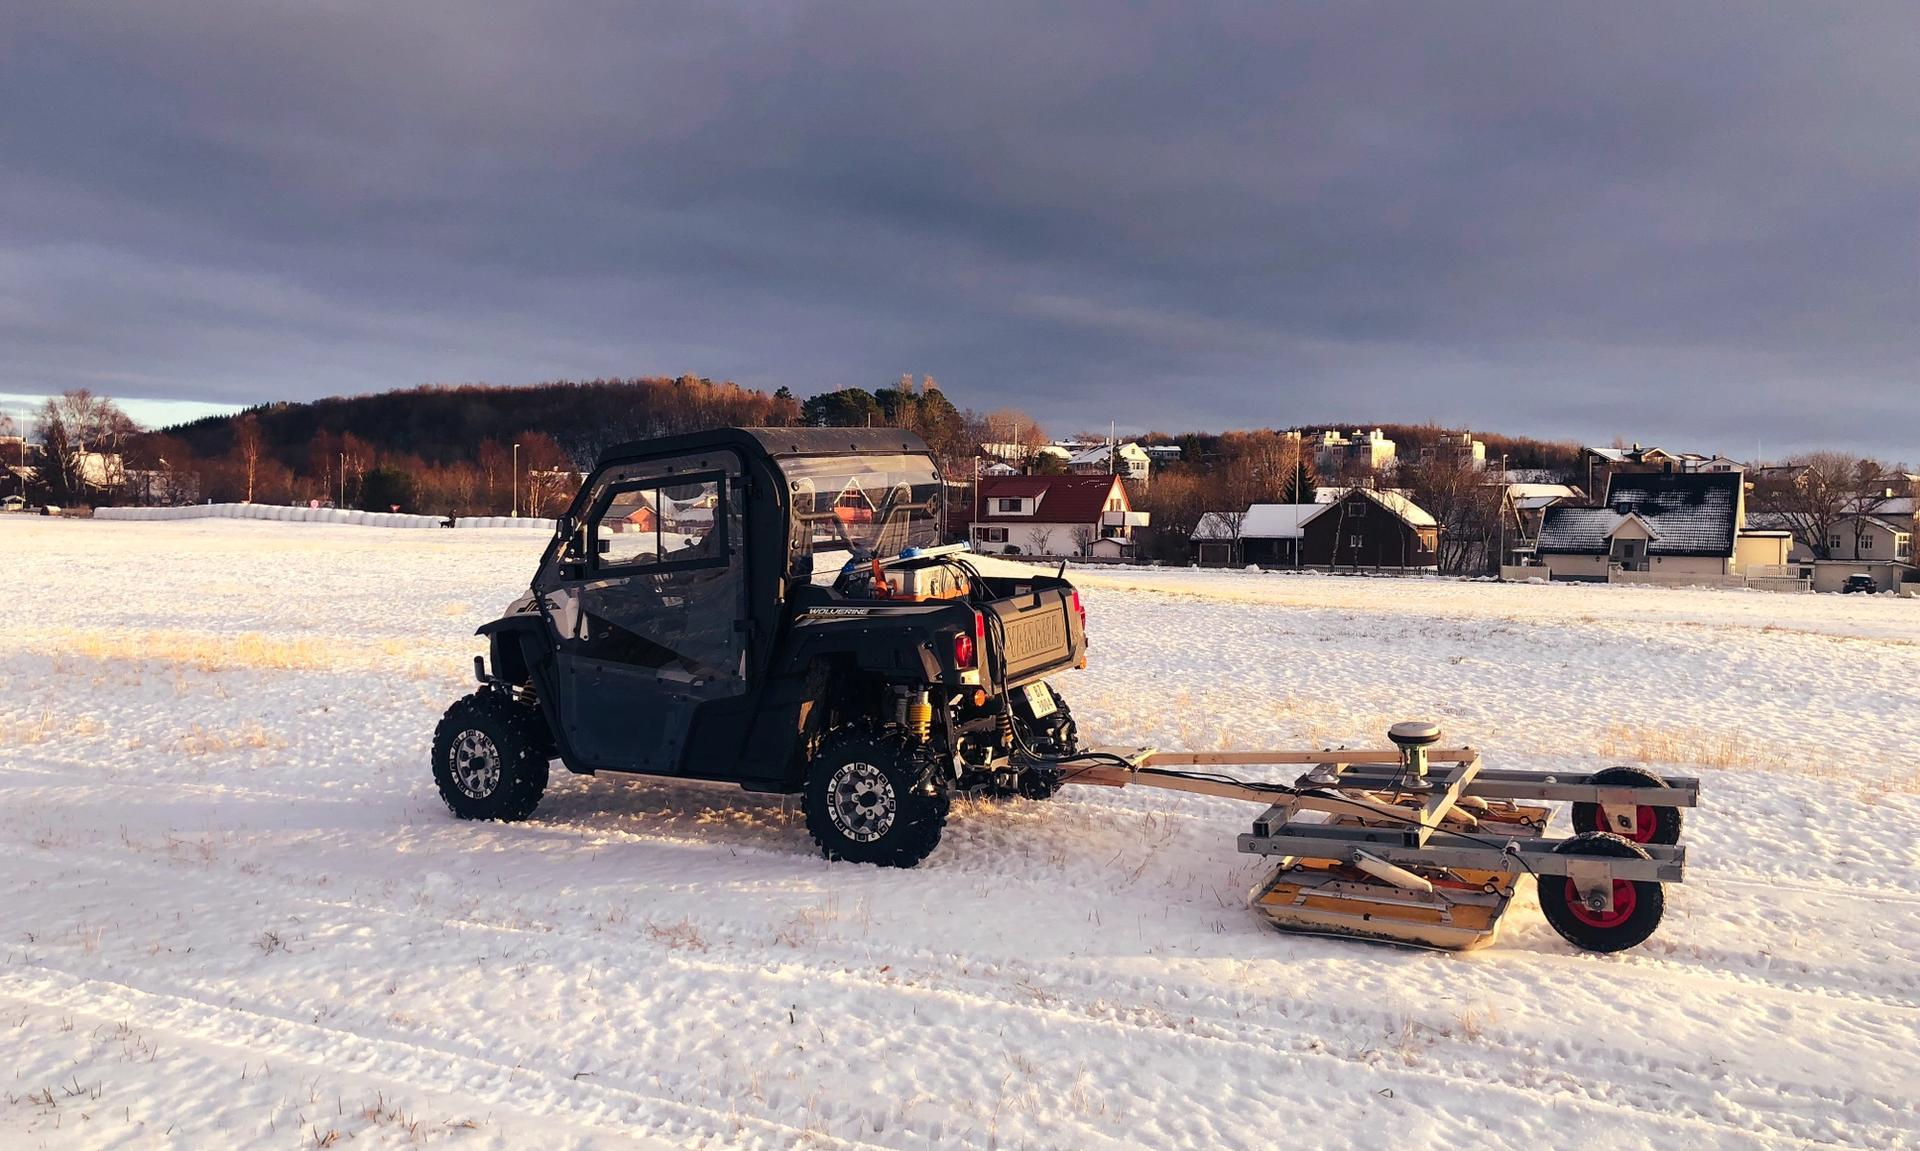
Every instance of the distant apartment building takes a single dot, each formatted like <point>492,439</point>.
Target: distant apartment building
<point>1460,446</point>
<point>1336,454</point>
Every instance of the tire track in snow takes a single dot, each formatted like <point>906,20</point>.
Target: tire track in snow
<point>1862,987</point>
<point>1581,1072</point>
<point>525,1090</point>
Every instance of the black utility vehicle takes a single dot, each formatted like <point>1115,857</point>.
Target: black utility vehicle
<point>1862,582</point>
<point>772,607</point>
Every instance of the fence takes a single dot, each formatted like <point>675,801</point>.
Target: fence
<point>1774,578</point>
<point>1662,579</point>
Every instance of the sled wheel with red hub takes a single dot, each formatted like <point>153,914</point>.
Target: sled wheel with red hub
<point>1637,905</point>
<point>1650,824</point>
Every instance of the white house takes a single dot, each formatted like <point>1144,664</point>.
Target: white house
<point>1055,516</point>
<point>1133,461</point>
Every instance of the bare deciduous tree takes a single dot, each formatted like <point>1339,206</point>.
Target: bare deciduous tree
<point>1466,507</point>
<point>247,447</point>
<point>1812,497</point>
<point>81,434</point>
<point>1872,490</point>
<point>1234,522</point>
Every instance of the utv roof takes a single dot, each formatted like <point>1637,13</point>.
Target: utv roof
<point>779,443</point>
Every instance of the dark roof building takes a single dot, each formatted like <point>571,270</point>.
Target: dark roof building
<point>1680,514</point>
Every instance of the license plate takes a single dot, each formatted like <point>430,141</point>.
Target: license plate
<point>1039,699</point>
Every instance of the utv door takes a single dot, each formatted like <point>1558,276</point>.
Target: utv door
<point>646,602</point>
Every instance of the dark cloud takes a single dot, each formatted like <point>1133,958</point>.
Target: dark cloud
<point>1693,223</point>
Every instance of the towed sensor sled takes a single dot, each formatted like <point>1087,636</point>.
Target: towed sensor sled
<point>775,608</point>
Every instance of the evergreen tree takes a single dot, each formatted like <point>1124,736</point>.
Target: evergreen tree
<point>1300,487</point>
<point>846,408</point>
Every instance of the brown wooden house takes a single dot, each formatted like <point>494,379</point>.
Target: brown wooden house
<point>1370,529</point>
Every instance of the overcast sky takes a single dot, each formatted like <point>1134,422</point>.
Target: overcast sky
<point>1686,224</point>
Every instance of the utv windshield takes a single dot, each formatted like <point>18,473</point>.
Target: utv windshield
<point>847,506</point>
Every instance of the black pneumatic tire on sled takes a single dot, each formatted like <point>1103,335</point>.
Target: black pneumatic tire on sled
<point>488,759</point>
<point>1651,824</point>
<point>1637,905</point>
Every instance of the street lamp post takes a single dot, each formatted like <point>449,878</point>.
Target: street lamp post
<point>343,481</point>
<point>516,481</point>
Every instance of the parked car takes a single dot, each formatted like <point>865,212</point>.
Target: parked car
<point>1865,583</point>
<point>12,504</point>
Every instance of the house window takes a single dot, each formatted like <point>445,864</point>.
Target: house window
<point>1009,505</point>
<point>1833,543</point>
<point>1866,543</point>
<point>1903,547</point>
<point>1113,505</point>
<point>1359,508</point>
<point>993,535</point>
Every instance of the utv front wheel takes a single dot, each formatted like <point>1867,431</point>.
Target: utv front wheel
<point>866,801</point>
<point>486,759</point>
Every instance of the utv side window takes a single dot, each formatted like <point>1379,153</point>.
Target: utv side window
<point>645,524</point>
<point>629,530</point>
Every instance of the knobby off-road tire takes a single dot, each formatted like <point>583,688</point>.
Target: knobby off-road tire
<point>1637,905</point>
<point>1651,824</point>
<point>865,803</point>
<point>488,759</point>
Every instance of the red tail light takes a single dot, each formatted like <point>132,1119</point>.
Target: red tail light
<point>1079,609</point>
<point>966,648</point>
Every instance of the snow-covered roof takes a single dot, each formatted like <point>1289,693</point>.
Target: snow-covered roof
<point>1634,454</point>
<point>1527,491</point>
<point>1685,514</point>
<point>1213,526</point>
<point>1897,506</point>
<point>1259,522</point>
<point>1536,503</point>
<point>1883,524</point>
<point>1278,521</point>
<point>1099,453</point>
<point>1395,500</point>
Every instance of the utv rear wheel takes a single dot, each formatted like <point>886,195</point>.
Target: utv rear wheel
<point>867,801</point>
<point>487,759</point>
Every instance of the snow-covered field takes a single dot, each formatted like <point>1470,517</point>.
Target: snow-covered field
<point>233,912</point>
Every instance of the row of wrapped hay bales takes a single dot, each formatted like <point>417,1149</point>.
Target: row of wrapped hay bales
<point>275,512</point>
<point>531,523</point>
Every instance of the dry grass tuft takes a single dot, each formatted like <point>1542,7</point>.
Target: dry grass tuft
<point>209,652</point>
<point>1692,746</point>
<point>198,740</point>
<point>28,732</point>
<point>808,923</point>
<point>681,936</point>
